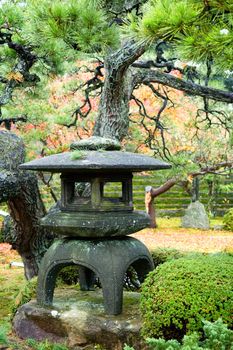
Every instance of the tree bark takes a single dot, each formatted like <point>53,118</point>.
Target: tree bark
<point>113,117</point>
<point>20,190</point>
<point>151,194</point>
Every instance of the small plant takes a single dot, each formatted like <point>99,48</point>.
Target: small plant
<point>3,335</point>
<point>26,293</point>
<point>216,337</point>
<point>228,220</point>
<point>99,347</point>
<point>75,155</point>
<point>127,347</point>
<point>45,345</point>
<point>180,293</point>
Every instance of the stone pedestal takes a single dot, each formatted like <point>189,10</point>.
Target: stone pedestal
<point>78,320</point>
<point>108,259</point>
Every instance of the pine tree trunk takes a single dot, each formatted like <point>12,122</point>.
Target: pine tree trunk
<point>20,190</point>
<point>113,116</point>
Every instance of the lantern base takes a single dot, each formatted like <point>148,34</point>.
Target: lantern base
<point>78,320</point>
<point>108,259</point>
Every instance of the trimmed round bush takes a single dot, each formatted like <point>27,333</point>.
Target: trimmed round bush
<point>228,220</point>
<point>179,294</point>
<point>161,255</point>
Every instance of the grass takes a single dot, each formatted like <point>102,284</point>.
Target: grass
<point>11,280</point>
<point>171,225</point>
<point>175,223</point>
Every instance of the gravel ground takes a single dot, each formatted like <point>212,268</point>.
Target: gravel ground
<point>187,239</point>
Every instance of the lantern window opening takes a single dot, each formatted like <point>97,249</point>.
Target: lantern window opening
<point>113,190</point>
<point>97,192</point>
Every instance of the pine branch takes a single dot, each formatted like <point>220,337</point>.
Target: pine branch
<point>151,139</point>
<point>21,71</point>
<point>129,6</point>
<point>47,183</point>
<point>90,85</point>
<point>127,55</point>
<point>169,65</point>
<point>215,169</point>
<point>146,76</point>
<point>13,120</point>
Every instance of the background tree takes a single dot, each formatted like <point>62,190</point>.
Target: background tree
<point>35,38</point>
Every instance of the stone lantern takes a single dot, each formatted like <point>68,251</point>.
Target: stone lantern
<point>93,226</point>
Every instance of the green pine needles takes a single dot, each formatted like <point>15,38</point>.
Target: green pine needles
<point>59,29</point>
<point>198,30</point>
<point>63,27</point>
<point>166,19</point>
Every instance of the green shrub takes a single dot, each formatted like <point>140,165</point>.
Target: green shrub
<point>228,220</point>
<point>68,275</point>
<point>180,293</point>
<point>3,335</point>
<point>216,337</point>
<point>161,255</point>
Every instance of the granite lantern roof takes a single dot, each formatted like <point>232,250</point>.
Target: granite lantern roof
<point>95,161</point>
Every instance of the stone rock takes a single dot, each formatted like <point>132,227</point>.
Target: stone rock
<point>218,227</point>
<point>8,232</point>
<point>95,143</point>
<point>196,216</point>
<point>12,151</point>
<point>77,319</point>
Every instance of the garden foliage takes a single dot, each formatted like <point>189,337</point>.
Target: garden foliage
<point>26,293</point>
<point>161,255</point>
<point>180,293</point>
<point>228,220</point>
<point>216,337</point>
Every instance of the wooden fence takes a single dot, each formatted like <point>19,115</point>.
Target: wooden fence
<point>174,202</point>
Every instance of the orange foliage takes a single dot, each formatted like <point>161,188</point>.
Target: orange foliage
<point>17,76</point>
<point>175,117</point>
<point>66,94</point>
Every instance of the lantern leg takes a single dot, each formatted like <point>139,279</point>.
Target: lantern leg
<point>113,294</point>
<point>86,278</point>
